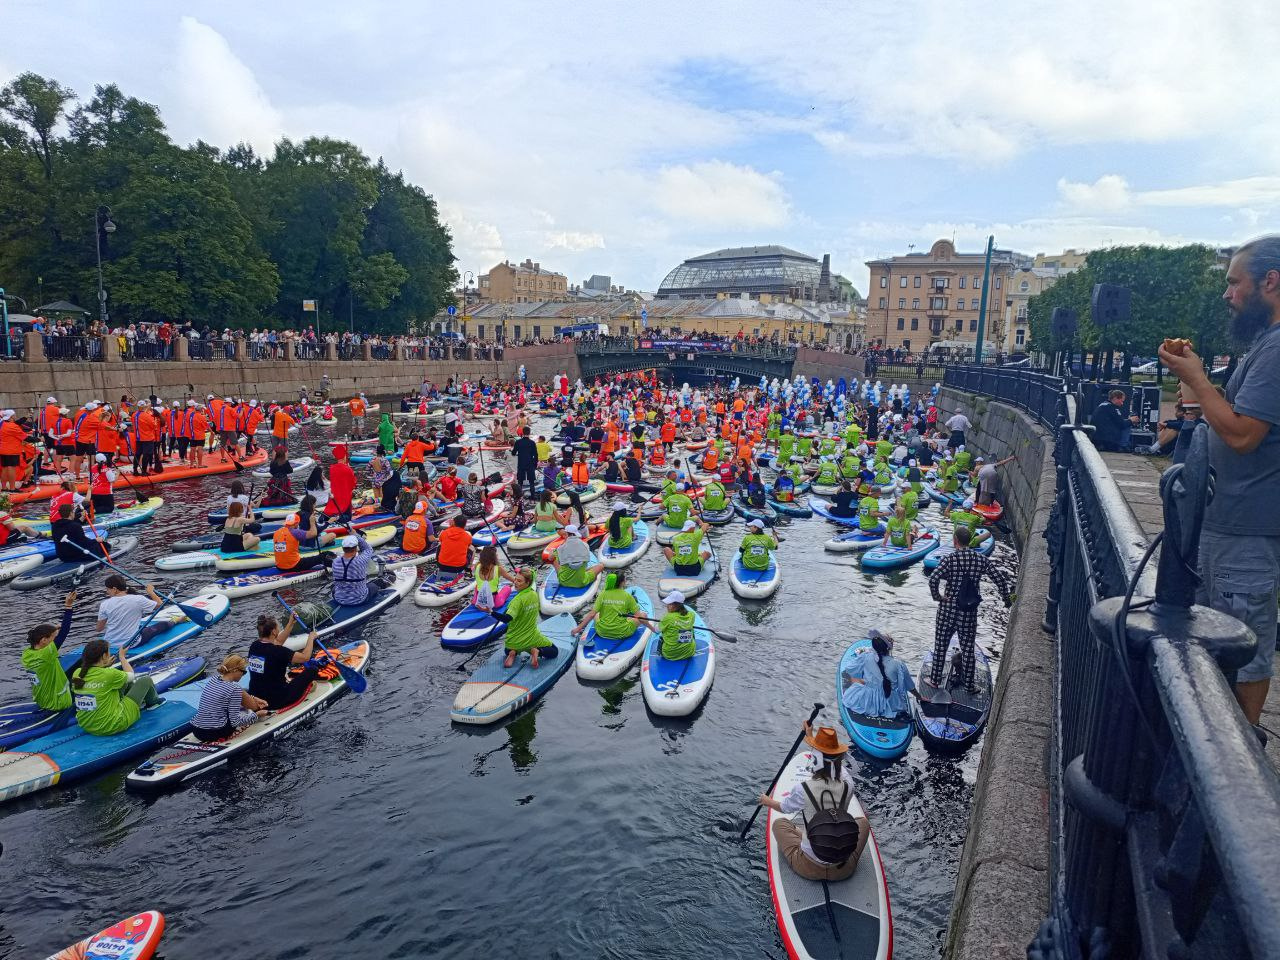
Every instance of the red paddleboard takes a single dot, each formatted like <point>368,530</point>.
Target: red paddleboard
<point>134,938</point>
<point>172,471</point>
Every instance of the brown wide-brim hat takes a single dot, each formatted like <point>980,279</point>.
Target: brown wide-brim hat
<point>825,741</point>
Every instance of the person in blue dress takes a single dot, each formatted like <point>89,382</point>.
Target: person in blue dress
<point>878,683</point>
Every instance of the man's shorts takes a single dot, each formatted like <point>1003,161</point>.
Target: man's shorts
<point>1240,576</point>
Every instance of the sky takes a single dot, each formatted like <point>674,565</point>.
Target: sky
<point>621,138</point>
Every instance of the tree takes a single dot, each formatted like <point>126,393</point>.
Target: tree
<point>34,106</point>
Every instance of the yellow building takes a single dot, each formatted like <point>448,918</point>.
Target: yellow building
<point>1066,262</point>
<point>920,299</point>
<point>1023,284</point>
<point>522,283</point>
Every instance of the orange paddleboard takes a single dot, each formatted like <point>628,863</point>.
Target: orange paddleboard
<point>134,938</point>
<point>212,464</point>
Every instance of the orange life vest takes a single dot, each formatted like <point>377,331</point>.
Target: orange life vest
<point>414,539</point>
<point>286,549</point>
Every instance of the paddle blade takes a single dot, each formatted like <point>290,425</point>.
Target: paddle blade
<point>201,618</point>
<point>352,678</point>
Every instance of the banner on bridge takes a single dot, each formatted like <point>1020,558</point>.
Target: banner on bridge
<point>647,344</point>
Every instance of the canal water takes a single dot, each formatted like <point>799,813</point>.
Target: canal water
<point>586,827</point>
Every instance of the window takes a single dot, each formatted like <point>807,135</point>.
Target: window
<point>960,302</point>
<point>906,344</point>
<point>937,303</point>
<point>977,283</point>
<point>915,323</point>
<point>973,325</point>
<point>902,323</point>
<point>480,331</point>
<point>884,282</point>
<point>1019,338</point>
<point>902,303</point>
<point>915,303</point>
<point>884,303</point>
<point>998,279</point>
<point>755,331</point>
<point>518,337</point>
<point>940,283</point>
<point>917,282</point>
<point>962,280</point>
<point>902,282</point>
<point>537,332</point>
<point>1024,286</point>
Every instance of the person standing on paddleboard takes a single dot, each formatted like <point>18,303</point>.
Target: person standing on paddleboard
<point>958,608</point>
<point>828,842</point>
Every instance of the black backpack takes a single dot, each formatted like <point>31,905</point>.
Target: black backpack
<point>833,832</point>
<point>968,594</point>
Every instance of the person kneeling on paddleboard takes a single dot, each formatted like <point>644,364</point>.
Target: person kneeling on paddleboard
<point>842,505</point>
<point>898,529</point>
<point>676,629</point>
<point>571,558</point>
<point>72,542</point>
<point>49,687</point>
<point>685,552</point>
<point>489,574</point>
<point>521,618</point>
<point>756,545</point>
<point>286,548</point>
<point>615,612</point>
<point>225,706</point>
<point>454,552</point>
<point>878,683</point>
<point>621,527</point>
<point>269,664</point>
<point>829,840</point>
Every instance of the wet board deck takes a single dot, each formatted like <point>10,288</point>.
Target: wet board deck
<point>494,691</point>
<point>344,618</point>
<point>675,688</point>
<point>172,471</point>
<point>755,584</point>
<point>985,547</point>
<point>892,558</point>
<point>603,658</point>
<point>472,626</point>
<point>62,571</point>
<point>615,557</point>
<point>949,718</point>
<point>139,512</point>
<point>215,606</point>
<point>555,598</point>
<point>689,584</point>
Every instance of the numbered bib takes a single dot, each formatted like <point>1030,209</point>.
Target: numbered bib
<point>84,701</point>
<point>281,548</point>
<point>757,550</point>
<point>256,665</point>
<point>686,636</point>
<point>684,549</point>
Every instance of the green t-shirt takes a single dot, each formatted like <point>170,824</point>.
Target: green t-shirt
<point>574,576</point>
<point>867,509</point>
<point>678,506</point>
<point>898,530</point>
<point>625,524</point>
<point>669,489</point>
<point>827,446</point>
<point>965,518</point>
<point>950,480</point>
<point>963,459</point>
<point>101,707</point>
<point>883,449</point>
<point>828,473</point>
<point>544,518</point>
<point>679,640</point>
<point>853,435</point>
<point>612,608</point>
<point>522,632</point>
<point>910,500</point>
<point>685,548</point>
<point>849,467</point>
<point>805,446</point>
<point>796,473</point>
<point>755,550</point>
<point>715,497</point>
<point>785,445</point>
<point>49,687</point>
<point>883,477</point>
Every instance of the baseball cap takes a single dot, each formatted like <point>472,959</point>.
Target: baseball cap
<point>756,524</point>
<point>101,458</point>
<point>572,530</point>
<point>689,525</point>
<point>967,503</point>
<point>675,596</point>
<point>291,520</point>
<point>52,400</point>
<point>979,459</point>
<point>419,507</point>
<point>350,542</point>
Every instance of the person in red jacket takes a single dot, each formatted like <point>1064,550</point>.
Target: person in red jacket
<point>12,438</point>
<point>342,485</point>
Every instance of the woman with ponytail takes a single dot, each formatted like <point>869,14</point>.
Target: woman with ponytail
<point>878,682</point>
<point>108,701</point>
<point>615,612</point>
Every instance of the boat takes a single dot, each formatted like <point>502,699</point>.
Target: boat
<point>190,757</point>
<point>135,513</point>
<point>179,630</point>
<point>553,598</point>
<point>299,464</point>
<point>601,658</point>
<point>689,585</point>
<point>20,722</point>
<point>892,558</point>
<point>850,919</point>
<point>986,546</point>
<point>949,718</point>
<point>754,584</point>
<point>69,755</point>
<point>133,938</point>
<point>615,557</point>
<point>171,471</point>
<point>991,512</point>
<point>675,688</point>
<point>586,494</point>
<point>885,738</point>
<point>472,626</point>
<point>332,620</point>
<point>495,691</point>
<point>439,589</point>
<point>61,571</point>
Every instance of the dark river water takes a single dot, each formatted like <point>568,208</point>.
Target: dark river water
<point>584,828</point>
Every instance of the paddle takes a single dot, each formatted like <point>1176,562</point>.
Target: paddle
<point>817,709</point>
<point>202,618</point>
<point>726,637</point>
<point>352,678</point>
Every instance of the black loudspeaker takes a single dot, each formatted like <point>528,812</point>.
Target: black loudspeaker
<point>1063,323</point>
<point>1110,304</point>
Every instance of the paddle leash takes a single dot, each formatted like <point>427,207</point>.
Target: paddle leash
<point>351,677</point>
<point>817,709</point>
<point>202,618</point>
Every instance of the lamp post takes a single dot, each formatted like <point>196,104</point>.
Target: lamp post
<point>468,281</point>
<point>102,223</point>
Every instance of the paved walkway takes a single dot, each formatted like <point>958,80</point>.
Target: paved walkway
<point>1139,479</point>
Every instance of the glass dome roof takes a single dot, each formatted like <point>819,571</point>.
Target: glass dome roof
<point>745,270</point>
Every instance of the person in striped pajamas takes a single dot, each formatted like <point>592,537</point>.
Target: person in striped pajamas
<point>958,607</point>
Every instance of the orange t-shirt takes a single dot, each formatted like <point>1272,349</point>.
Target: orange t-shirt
<point>356,407</point>
<point>414,451</point>
<point>148,425</point>
<point>668,432</point>
<point>280,425</point>
<point>285,545</point>
<point>11,438</point>
<point>454,543</point>
<point>739,405</point>
<point>414,539</point>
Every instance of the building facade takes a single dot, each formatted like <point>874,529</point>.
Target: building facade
<point>1023,284</point>
<point>521,283</point>
<point>1068,261</point>
<point>920,300</point>
<point>767,273</point>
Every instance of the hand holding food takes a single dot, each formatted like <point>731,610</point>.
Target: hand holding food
<point>1176,346</point>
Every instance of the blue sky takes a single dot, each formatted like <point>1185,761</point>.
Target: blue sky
<point>619,138</point>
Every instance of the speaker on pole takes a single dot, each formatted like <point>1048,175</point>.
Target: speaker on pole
<point>1110,304</point>
<point>1063,323</point>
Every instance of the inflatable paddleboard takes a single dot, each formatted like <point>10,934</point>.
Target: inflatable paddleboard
<point>139,512</point>
<point>675,688</point>
<point>554,598</point>
<point>494,691</point>
<point>754,584</point>
<point>179,629</point>
<point>64,571</point>
<point>134,938</point>
<point>885,738</point>
<point>263,581</point>
<point>332,620</point>
<point>689,585</point>
<point>949,718</point>
<point>891,557</point>
<point>850,919</point>
<point>172,471</point>
<point>616,557</point>
<point>299,464</point>
<point>986,546</point>
<point>592,491</point>
<point>441,589</point>
<point>603,658</point>
<point>718,518</point>
<point>793,508</point>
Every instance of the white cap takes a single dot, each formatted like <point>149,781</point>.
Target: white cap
<point>52,400</point>
<point>101,458</point>
<point>675,596</point>
<point>209,397</point>
<point>961,447</point>
<point>6,414</point>
<point>679,486</point>
<point>350,542</point>
<point>757,523</point>
<point>92,405</point>
<point>689,525</point>
<point>191,403</point>
<point>967,504</point>
<point>253,403</point>
<point>979,460</point>
<point>572,530</point>
<point>64,409</point>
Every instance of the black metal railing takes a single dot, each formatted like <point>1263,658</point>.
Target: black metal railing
<point>766,350</point>
<point>1036,393</point>
<point>217,349</point>
<point>1165,812</point>
<point>72,348</point>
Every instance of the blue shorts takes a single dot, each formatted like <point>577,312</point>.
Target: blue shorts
<point>1240,576</point>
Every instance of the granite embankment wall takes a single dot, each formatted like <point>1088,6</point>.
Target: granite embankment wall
<point>826,365</point>
<point>1002,890</point>
<point>26,385</point>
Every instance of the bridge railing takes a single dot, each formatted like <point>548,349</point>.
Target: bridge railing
<point>1165,812</point>
<point>597,345</point>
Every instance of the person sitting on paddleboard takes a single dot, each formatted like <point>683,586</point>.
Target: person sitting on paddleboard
<point>615,611</point>
<point>49,687</point>
<point>236,537</point>
<point>350,571</point>
<point>68,533</point>
<point>755,492</point>
<point>686,552</point>
<point>109,701</point>
<point>225,706</point>
<point>678,507</point>
<point>454,553</point>
<point>571,560</point>
<point>521,618</point>
<point>828,842</point>
<point>842,505</point>
<point>878,683</point>
<point>418,531</point>
<point>715,498</point>
<point>869,512</point>
<point>756,545</point>
<point>121,614</point>
<point>310,525</point>
<point>784,488</point>
<point>270,663</point>
<point>621,527</point>
<point>490,593</point>
<point>286,546</point>
<point>676,628</point>
<point>964,516</point>
<point>14,531</point>
<point>474,496</point>
<point>898,529</point>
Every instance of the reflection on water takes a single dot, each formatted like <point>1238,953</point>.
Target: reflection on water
<point>431,831</point>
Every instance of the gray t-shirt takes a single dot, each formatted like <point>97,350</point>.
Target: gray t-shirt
<point>1246,482</point>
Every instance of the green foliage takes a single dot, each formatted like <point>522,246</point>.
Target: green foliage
<point>1176,292</point>
<point>212,237</point>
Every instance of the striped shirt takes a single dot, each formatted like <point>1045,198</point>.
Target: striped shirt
<point>220,706</point>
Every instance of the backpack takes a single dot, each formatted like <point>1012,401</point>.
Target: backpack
<point>833,832</point>
<point>968,594</point>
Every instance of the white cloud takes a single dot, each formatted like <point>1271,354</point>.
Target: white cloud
<point>1108,192</point>
<point>221,100</point>
<point>476,245</point>
<point>721,195</point>
<point>1112,192</point>
<point>573,240</point>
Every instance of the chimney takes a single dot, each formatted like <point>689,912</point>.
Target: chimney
<point>824,279</point>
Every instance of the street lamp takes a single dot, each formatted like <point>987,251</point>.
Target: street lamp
<point>468,281</point>
<point>102,223</point>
